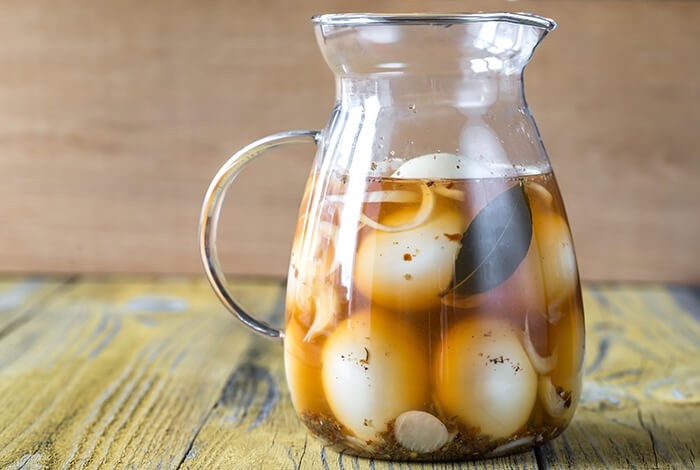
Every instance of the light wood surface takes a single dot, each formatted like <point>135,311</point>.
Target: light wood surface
<point>151,373</point>
<point>115,115</point>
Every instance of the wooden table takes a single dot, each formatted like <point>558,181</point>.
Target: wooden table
<point>152,373</point>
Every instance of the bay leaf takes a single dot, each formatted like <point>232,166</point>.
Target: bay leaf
<point>495,243</point>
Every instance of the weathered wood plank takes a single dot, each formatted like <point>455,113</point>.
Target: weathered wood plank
<point>21,296</point>
<point>119,374</point>
<point>641,401</point>
<point>153,373</point>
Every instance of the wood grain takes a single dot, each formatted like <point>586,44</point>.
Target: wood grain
<point>115,115</point>
<point>641,401</point>
<point>21,297</point>
<point>152,373</point>
<point>116,375</point>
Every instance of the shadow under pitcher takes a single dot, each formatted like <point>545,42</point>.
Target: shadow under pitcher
<point>433,306</point>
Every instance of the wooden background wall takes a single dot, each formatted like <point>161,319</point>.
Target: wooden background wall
<point>115,114</point>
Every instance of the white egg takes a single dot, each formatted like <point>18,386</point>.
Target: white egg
<point>558,261</point>
<point>442,166</point>
<point>408,270</point>
<point>484,378</point>
<point>480,140</point>
<point>554,245</point>
<point>374,369</point>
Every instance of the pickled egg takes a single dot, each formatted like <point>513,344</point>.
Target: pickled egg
<point>553,239</point>
<point>484,378</point>
<point>557,254</point>
<point>374,369</point>
<point>442,166</point>
<point>408,270</point>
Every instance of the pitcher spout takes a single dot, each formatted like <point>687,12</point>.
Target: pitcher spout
<point>506,43</point>
<point>439,44</point>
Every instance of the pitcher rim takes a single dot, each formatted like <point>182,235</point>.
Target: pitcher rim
<point>366,19</point>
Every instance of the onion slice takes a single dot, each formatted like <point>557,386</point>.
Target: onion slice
<point>328,230</point>
<point>539,191</point>
<point>525,441</point>
<point>326,309</point>
<point>450,193</point>
<point>358,444</point>
<point>553,402</point>
<point>427,204</point>
<point>314,266</point>
<point>389,195</point>
<point>542,365</point>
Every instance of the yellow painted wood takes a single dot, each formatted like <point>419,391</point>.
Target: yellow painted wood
<point>21,296</point>
<point>119,374</point>
<point>640,405</point>
<point>148,373</point>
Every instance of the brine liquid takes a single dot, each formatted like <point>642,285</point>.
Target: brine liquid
<point>402,342</point>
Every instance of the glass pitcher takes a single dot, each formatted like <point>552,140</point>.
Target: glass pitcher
<point>433,307</point>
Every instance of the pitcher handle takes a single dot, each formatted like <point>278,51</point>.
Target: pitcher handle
<point>209,219</point>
